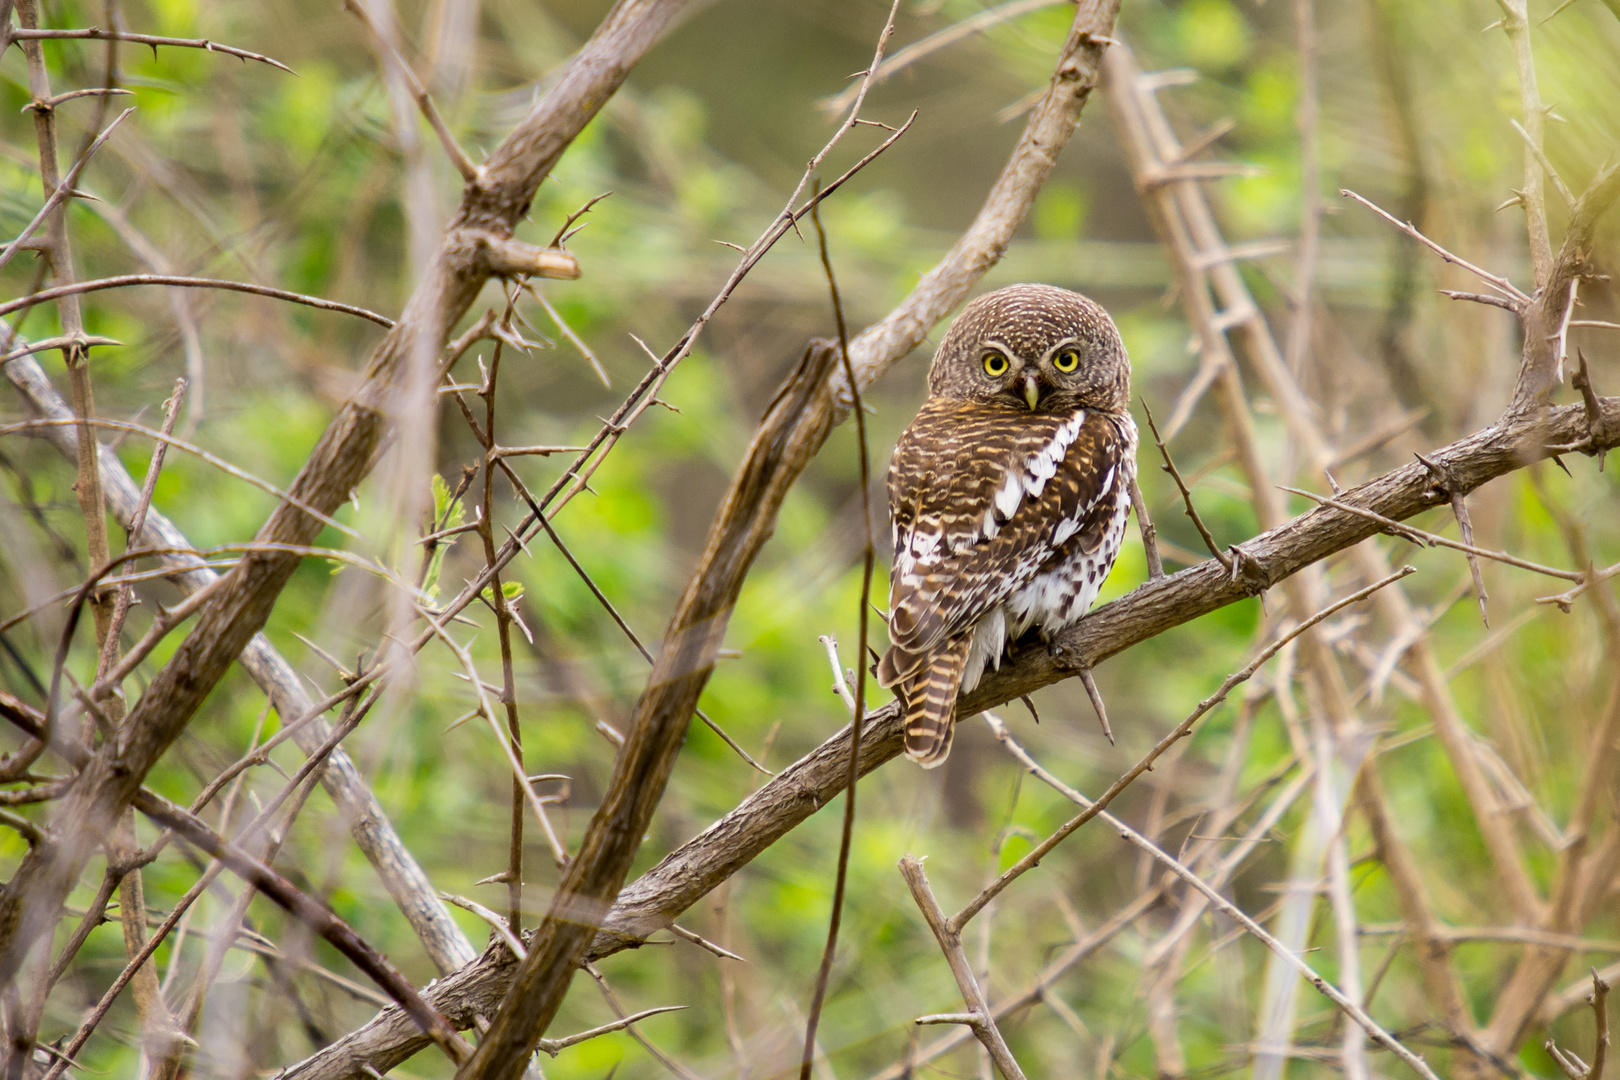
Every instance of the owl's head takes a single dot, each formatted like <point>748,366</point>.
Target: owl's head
<point>1034,347</point>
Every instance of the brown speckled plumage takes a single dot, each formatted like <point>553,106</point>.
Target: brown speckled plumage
<point>1008,495</point>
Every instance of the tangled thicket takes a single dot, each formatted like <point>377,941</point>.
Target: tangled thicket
<point>331,652</point>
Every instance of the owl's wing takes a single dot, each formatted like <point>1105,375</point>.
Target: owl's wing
<point>983,497</point>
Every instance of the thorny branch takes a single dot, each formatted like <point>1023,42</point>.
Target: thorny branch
<point>1465,467</point>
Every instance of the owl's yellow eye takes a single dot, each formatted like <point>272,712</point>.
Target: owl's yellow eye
<point>1066,361</point>
<point>995,364</point>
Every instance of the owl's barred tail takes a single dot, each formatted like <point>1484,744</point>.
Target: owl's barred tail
<point>930,698</point>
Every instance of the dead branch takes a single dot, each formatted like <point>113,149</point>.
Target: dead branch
<point>1574,1067</point>
<point>1540,369</point>
<point>424,101</point>
<point>857,712</point>
<point>1408,532</point>
<point>1516,296</point>
<point>1175,735</point>
<point>979,1018</point>
<point>63,190</point>
<point>95,33</point>
<point>1186,495</point>
<point>79,288</point>
<point>1347,1005</point>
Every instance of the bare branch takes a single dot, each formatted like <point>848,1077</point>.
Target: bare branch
<point>476,246</point>
<point>950,942</point>
<point>370,826</point>
<point>95,33</point>
<point>166,439</point>
<point>125,280</point>
<point>1516,24</point>
<point>1502,284</point>
<point>424,101</point>
<point>1150,535</point>
<point>1176,734</point>
<point>1186,496</point>
<point>685,875</point>
<point>63,189</point>
<point>557,1046</point>
<point>1396,528</point>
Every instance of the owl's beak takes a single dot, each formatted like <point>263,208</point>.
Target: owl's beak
<point>1032,389</point>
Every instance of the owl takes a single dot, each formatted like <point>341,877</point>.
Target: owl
<point>1008,495</point>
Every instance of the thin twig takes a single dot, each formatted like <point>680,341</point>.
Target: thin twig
<point>568,331</point>
<point>424,101</point>
<point>501,927</point>
<point>63,189</point>
<point>1150,535</point>
<point>629,1022</point>
<point>1186,496</point>
<point>840,681</point>
<point>646,391</point>
<point>1561,350</point>
<point>613,612</point>
<point>1400,528</point>
<point>504,614</point>
<point>858,707</point>
<point>1541,159</point>
<point>165,437</point>
<point>1595,424</point>
<point>1484,298</point>
<point>950,943</point>
<point>557,1046</point>
<point>1465,526</point>
<point>95,33</point>
<point>1347,1005</point>
<point>126,595</point>
<point>1516,24</point>
<point>1502,284</point>
<point>1310,181</point>
<point>486,709</point>
<point>172,281</point>
<point>976,23</point>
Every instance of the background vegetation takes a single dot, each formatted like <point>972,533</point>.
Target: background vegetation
<point>322,184</point>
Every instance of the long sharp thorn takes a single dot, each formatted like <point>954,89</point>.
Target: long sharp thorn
<point>1097,703</point>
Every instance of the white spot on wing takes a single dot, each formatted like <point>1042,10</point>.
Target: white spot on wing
<point>1010,495</point>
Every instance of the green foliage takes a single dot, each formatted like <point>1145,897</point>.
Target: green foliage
<point>242,172</point>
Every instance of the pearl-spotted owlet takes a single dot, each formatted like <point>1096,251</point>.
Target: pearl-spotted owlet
<point>1008,495</point>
